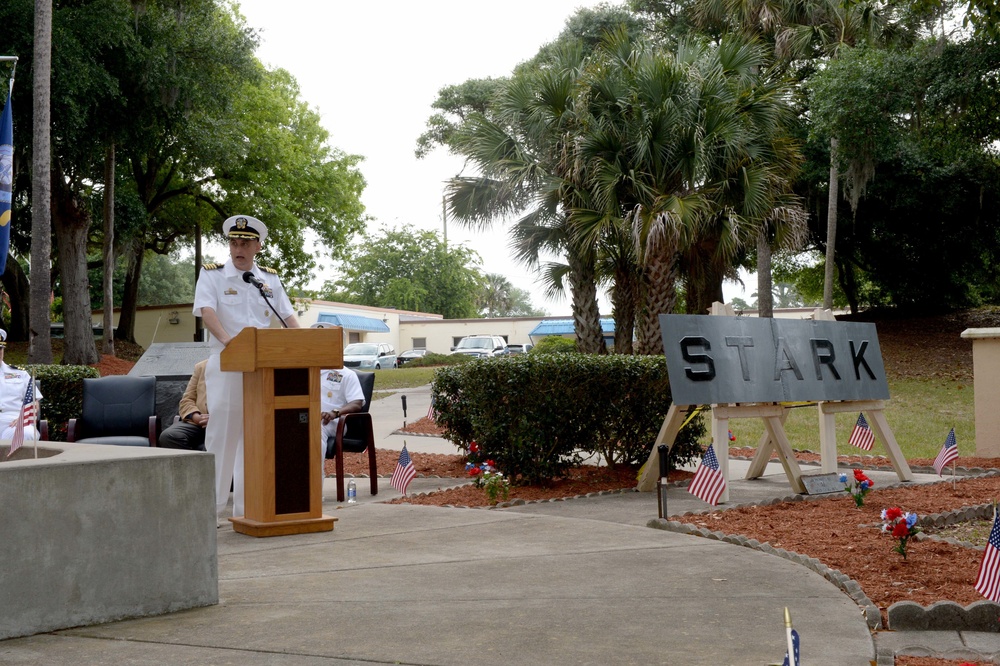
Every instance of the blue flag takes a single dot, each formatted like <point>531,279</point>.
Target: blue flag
<point>6,180</point>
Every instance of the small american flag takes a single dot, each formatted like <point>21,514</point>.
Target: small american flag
<point>988,580</point>
<point>947,453</point>
<point>404,472</point>
<point>26,418</point>
<point>708,482</point>
<point>862,436</point>
<point>431,412</point>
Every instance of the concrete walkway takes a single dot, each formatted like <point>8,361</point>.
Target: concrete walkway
<point>582,581</point>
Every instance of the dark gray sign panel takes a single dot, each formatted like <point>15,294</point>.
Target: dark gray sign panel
<point>743,359</point>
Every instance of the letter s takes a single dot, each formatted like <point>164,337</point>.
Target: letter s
<point>697,375</point>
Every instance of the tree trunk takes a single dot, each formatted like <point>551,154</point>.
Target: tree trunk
<point>705,272</point>
<point>130,295</point>
<point>586,313</point>
<point>15,283</point>
<point>660,286</point>
<point>623,301</point>
<point>831,228</point>
<point>765,292</point>
<point>72,224</point>
<point>40,333</point>
<point>109,251</point>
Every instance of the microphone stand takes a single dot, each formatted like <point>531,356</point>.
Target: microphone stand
<point>267,300</point>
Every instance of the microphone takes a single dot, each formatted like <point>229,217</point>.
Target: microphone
<point>250,278</point>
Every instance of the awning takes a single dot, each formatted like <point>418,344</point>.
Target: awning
<point>354,322</point>
<point>565,327</point>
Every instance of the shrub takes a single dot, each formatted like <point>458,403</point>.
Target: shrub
<point>62,394</point>
<point>554,344</point>
<point>535,415</point>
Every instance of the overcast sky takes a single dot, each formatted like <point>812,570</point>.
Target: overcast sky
<point>373,69</point>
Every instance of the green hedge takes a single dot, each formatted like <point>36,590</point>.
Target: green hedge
<point>62,394</point>
<point>536,415</point>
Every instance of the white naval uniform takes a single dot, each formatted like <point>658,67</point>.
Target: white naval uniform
<point>337,388</point>
<point>13,386</point>
<point>238,305</point>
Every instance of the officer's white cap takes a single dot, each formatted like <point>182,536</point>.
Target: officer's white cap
<point>244,226</point>
<point>3,338</point>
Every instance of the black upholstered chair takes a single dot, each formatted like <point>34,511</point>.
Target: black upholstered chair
<point>116,410</point>
<point>355,435</point>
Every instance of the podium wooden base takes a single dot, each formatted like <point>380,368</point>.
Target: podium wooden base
<point>256,528</point>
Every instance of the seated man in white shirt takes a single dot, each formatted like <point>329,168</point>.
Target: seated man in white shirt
<point>341,394</point>
<point>13,386</point>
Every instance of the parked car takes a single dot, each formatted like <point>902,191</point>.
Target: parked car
<point>481,346</point>
<point>409,355</point>
<point>519,349</point>
<point>369,355</point>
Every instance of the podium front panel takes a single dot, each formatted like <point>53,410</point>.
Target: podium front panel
<point>292,474</point>
<point>291,381</point>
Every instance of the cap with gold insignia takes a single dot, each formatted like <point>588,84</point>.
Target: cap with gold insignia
<point>3,338</point>
<point>244,226</point>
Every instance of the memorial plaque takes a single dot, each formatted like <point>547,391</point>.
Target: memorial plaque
<point>821,484</point>
<point>719,360</point>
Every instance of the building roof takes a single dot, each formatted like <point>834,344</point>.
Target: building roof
<point>565,327</point>
<point>353,322</point>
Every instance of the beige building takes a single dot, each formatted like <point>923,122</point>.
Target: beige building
<point>402,329</point>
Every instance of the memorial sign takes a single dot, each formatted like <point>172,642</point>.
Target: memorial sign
<point>719,360</point>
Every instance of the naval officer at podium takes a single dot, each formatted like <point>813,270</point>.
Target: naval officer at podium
<point>229,298</point>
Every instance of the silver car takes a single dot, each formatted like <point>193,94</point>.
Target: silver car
<point>369,355</point>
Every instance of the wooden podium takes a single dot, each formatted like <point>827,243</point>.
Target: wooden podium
<point>283,481</point>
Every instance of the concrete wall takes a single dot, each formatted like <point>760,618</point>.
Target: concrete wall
<point>100,533</point>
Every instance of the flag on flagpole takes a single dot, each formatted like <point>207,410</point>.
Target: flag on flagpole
<point>708,482</point>
<point>795,648</point>
<point>947,453</point>
<point>6,179</point>
<point>862,436</point>
<point>431,412</point>
<point>404,472</point>
<point>988,580</point>
<point>24,419</point>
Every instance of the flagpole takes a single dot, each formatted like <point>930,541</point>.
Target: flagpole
<point>13,69</point>
<point>38,413</point>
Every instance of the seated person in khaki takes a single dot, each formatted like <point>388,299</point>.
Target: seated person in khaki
<point>189,432</point>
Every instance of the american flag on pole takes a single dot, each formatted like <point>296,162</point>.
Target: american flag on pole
<point>947,453</point>
<point>988,580</point>
<point>404,472</point>
<point>708,482</point>
<point>431,412</point>
<point>26,418</point>
<point>862,436</point>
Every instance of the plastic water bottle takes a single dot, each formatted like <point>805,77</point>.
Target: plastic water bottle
<point>352,492</point>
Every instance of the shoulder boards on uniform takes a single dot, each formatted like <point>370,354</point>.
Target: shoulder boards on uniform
<point>268,270</point>
<point>211,267</point>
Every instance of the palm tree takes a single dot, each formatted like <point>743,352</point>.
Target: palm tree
<point>524,152</point>
<point>797,30</point>
<point>495,295</point>
<point>692,150</point>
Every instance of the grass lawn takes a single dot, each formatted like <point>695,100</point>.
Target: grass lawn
<point>920,413</point>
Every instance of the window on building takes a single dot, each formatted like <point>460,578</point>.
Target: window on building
<point>455,339</point>
<point>353,336</point>
<point>419,343</point>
